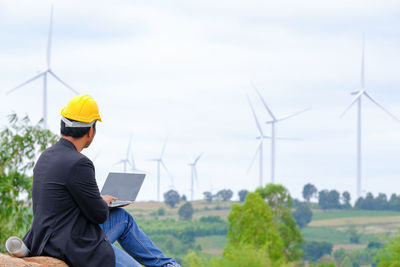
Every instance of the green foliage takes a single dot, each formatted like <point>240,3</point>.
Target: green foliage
<point>253,224</point>
<point>171,198</point>
<point>176,238</point>
<point>329,199</point>
<point>208,196</point>
<point>211,219</point>
<point>309,191</point>
<point>280,202</point>
<point>244,255</point>
<point>302,214</point>
<point>20,143</point>
<point>334,235</point>
<point>355,234</point>
<point>242,195</point>
<point>313,250</point>
<point>346,200</point>
<point>186,211</point>
<point>161,212</point>
<point>378,203</point>
<point>193,260</point>
<point>353,213</point>
<point>224,195</point>
<point>389,256</point>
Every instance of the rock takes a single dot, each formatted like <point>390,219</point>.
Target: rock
<point>10,261</point>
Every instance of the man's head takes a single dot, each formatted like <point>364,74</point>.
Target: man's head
<point>79,119</point>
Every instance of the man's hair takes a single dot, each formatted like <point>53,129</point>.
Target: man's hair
<point>75,132</point>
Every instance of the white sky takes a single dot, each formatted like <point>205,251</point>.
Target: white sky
<point>183,68</point>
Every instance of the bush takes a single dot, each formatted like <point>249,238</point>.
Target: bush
<point>171,198</point>
<point>186,211</point>
<point>20,143</point>
<point>313,250</point>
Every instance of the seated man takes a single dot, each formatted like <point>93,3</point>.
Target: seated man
<point>72,221</point>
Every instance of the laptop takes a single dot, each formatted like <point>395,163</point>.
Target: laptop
<point>124,186</point>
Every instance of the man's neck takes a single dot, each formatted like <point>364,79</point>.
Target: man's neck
<point>79,143</point>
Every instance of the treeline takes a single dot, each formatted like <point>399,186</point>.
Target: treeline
<point>378,203</point>
<point>333,199</point>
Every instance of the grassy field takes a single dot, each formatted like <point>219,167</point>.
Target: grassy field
<point>336,214</point>
<point>330,226</point>
<point>212,244</point>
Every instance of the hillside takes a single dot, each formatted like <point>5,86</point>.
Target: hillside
<point>332,226</point>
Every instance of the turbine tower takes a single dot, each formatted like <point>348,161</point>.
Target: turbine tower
<point>129,159</point>
<point>357,100</point>
<point>260,148</point>
<point>273,123</point>
<point>160,163</point>
<point>194,175</point>
<point>45,73</point>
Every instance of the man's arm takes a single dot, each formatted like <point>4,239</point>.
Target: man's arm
<point>83,188</point>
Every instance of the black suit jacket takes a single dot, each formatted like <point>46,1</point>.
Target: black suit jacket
<point>67,209</point>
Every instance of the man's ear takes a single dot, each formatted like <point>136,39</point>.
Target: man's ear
<point>90,133</point>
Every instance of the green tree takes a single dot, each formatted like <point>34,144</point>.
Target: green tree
<point>314,250</point>
<point>186,211</point>
<point>389,256</point>
<point>355,234</point>
<point>346,200</point>
<point>171,198</point>
<point>302,214</point>
<point>224,194</point>
<point>309,191</point>
<point>253,224</point>
<point>208,196</point>
<point>242,195</point>
<point>20,143</point>
<point>280,202</point>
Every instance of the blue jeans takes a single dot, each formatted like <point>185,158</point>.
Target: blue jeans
<point>137,246</point>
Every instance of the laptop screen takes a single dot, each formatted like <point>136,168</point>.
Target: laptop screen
<point>124,186</point>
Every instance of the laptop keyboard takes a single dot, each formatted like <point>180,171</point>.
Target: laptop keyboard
<point>118,203</point>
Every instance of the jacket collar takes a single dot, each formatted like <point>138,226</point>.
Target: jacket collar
<point>67,143</point>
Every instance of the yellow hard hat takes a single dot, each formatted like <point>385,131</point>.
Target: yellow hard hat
<point>81,108</point>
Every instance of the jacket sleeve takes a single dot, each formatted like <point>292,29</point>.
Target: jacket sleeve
<point>83,187</point>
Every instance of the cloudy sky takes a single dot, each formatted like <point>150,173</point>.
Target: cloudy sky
<point>181,69</point>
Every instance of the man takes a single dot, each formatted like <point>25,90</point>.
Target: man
<point>72,221</point>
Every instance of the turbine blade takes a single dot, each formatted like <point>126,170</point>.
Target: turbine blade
<point>363,62</point>
<point>254,157</point>
<point>197,159</point>
<point>293,115</point>
<point>353,102</point>
<point>163,148</point>
<point>64,83</point>
<point>48,54</point>
<point>289,139</point>
<point>166,170</point>
<point>24,83</point>
<point>382,107</point>
<point>255,117</point>
<point>264,103</point>
<point>119,162</point>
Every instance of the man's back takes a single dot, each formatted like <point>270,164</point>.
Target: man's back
<point>68,209</point>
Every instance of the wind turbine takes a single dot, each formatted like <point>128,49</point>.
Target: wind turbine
<point>260,148</point>
<point>47,71</point>
<point>160,163</point>
<point>273,123</point>
<point>194,174</point>
<point>357,100</point>
<point>129,159</point>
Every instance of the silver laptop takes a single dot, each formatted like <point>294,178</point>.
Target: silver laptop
<point>124,186</point>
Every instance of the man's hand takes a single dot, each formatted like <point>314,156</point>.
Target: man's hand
<point>108,199</point>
